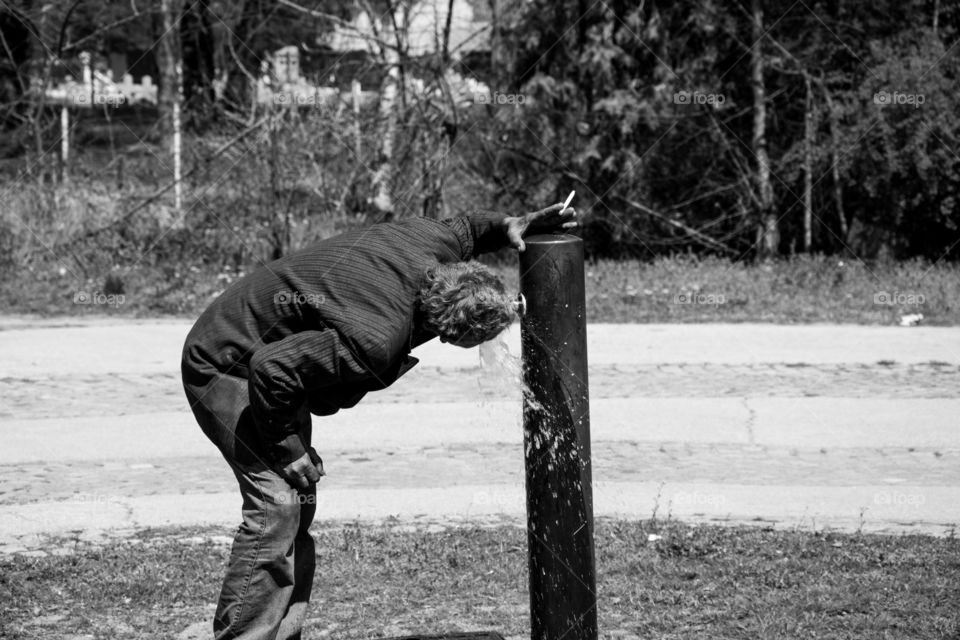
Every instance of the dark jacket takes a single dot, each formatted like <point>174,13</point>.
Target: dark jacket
<point>325,325</point>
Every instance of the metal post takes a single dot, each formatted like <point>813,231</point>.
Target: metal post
<point>556,418</point>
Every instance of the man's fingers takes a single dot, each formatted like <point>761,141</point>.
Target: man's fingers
<point>554,208</point>
<point>308,470</point>
<point>296,480</point>
<point>317,461</point>
<point>303,472</point>
<point>552,212</point>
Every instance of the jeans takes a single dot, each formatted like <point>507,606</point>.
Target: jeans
<point>269,575</point>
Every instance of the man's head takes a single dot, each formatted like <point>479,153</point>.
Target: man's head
<point>465,304</point>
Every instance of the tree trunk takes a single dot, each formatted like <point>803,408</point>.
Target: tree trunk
<point>835,165</point>
<point>241,64</point>
<point>445,48</point>
<point>168,61</point>
<point>435,167</point>
<point>16,49</point>
<point>170,95</point>
<point>808,133</point>
<point>383,197</point>
<point>768,232</point>
<point>64,144</point>
<point>41,57</point>
<point>497,59</point>
<point>198,41</point>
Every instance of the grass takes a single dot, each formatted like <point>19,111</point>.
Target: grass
<point>790,291</point>
<point>696,582</point>
<point>797,290</point>
<point>678,289</point>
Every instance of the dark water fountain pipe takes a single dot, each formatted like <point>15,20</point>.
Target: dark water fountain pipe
<point>556,422</point>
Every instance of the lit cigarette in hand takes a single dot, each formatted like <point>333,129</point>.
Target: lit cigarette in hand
<point>566,203</point>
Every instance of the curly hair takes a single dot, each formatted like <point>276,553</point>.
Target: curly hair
<point>465,301</point>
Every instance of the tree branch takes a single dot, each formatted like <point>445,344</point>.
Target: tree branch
<point>693,233</point>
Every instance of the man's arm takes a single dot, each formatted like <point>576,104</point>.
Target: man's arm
<point>280,374</point>
<point>489,231</point>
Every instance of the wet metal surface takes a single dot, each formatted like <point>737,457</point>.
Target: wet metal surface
<point>557,440</point>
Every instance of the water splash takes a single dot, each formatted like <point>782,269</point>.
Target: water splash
<point>502,372</point>
<point>500,377</point>
<point>499,364</point>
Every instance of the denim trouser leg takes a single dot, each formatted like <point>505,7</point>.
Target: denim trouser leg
<point>270,572</point>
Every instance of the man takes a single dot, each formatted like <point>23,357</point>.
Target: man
<point>312,333</point>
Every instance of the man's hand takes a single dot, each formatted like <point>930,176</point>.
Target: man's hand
<point>304,471</point>
<point>553,218</point>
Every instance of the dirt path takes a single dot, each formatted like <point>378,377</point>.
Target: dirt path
<point>845,427</point>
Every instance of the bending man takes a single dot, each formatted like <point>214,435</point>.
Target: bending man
<point>312,333</point>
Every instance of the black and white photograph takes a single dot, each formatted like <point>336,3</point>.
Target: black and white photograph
<point>479,319</point>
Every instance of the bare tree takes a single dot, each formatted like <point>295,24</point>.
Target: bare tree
<point>170,97</point>
<point>168,65</point>
<point>834,119</point>
<point>768,232</point>
<point>809,130</point>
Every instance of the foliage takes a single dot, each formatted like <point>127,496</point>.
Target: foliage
<point>605,116</point>
<point>646,110</point>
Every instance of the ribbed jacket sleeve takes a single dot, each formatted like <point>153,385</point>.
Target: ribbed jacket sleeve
<point>480,232</point>
<point>282,373</point>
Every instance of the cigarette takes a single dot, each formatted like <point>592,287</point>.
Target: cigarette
<point>566,203</point>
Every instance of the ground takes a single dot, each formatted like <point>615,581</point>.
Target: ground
<point>794,428</point>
